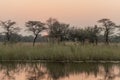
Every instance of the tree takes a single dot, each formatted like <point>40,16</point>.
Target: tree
<point>76,34</point>
<point>36,27</point>
<point>91,33</point>
<point>15,38</point>
<point>9,28</point>
<point>57,30</point>
<point>96,33</point>
<point>108,27</point>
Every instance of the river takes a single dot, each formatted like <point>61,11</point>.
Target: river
<point>59,71</point>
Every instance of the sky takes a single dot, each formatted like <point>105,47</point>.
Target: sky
<point>79,13</point>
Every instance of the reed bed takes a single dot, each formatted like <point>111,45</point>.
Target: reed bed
<point>60,52</point>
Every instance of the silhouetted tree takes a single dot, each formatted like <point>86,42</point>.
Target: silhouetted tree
<point>96,33</point>
<point>82,35</point>
<point>108,26</point>
<point>15,38</point>
<point>9,28</point>
<point>57,30</point>
<point>73,33</point>
<point>92,34</point>
<point>36,27</point>
<point>89,33</point>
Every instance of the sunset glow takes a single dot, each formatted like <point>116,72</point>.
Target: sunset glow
<point>75,12</point>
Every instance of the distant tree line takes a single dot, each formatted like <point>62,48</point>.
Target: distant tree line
<point>60,32</point>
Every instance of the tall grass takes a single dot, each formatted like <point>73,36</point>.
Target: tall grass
<point>59,52</point>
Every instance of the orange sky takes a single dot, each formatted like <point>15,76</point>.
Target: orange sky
<point>75,12</point>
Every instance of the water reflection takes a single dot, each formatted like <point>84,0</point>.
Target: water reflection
<point>59,71</point>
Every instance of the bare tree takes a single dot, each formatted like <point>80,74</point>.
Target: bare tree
<point>108,26</point>
<point>36,27</point>
<point>9,28</point>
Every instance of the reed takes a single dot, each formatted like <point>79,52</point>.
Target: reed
<point>59,52</point>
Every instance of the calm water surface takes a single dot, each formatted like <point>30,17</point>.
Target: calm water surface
<point>59,71</point>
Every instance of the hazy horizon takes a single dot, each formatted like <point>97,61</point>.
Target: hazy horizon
<point>75,12</point>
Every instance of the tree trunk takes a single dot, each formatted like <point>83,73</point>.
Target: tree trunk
<point>96,41</point>
<point>34,40</point>
<point>8,37</point>
<point>107,38</point>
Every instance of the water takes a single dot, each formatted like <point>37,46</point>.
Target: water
<point>59,71</point>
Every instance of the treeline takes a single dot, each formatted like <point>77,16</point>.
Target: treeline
<point>59,32</point>
<point>20,38</point>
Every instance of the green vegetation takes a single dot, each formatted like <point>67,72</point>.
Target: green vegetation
<point>62,42</point>
<point>57,31</point>
<point>60,52</point>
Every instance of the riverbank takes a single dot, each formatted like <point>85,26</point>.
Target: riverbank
<point>60,53</point>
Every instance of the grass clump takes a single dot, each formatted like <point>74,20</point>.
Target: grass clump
<point>59,52</point>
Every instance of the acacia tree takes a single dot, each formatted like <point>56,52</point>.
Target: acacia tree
<point>75,34</point>
<point>88,33</point>
<point>9,29</point>
<point>96,33</point>
<point>36,27</point>
<point>92,34</point>
<point>52,28</point>
<point>108,27</point>
<point>57,30</point>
